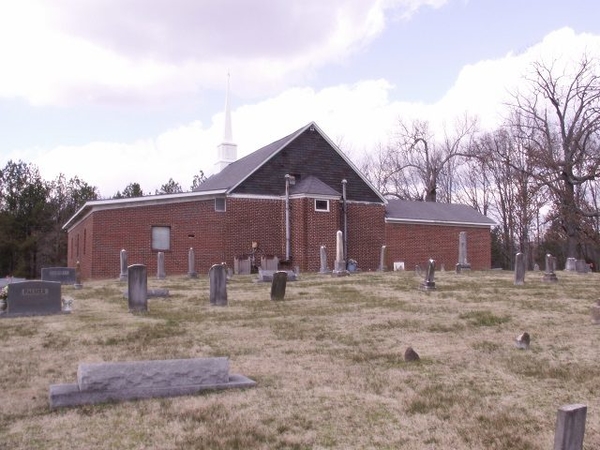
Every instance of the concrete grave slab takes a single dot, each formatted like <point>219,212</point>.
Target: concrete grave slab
<point>121,381</point>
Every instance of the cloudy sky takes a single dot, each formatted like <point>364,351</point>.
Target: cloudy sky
<point>121,91</point>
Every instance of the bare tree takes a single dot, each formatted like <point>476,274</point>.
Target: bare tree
<point>558,119</point>
<point>417,164</point>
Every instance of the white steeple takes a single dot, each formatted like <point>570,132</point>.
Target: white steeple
<point>227,150</point>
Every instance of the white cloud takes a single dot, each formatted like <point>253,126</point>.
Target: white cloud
<point>359,116</point>
<point>69,52</point>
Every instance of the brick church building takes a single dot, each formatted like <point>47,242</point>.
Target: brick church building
<point>285,200</point>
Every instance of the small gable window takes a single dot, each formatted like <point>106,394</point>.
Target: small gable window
<point>161,238</point>
<point>322,205</point>
<point>220,205</point>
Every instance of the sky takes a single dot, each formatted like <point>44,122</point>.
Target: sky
<point>122,91</point>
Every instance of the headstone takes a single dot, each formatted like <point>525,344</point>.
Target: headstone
<point>410,355</point>
<point>192,264</point>
<point>462,250</point>
<point>124,266</point>
<point>278,285</point>
<point>428,283</point>
<point>130,380</point>
<point>323,255</point>
<point>523,340</point>
<point>137,288</point>
<point>160,266</point>
<point>458,268</point>
<point>536,267</point>
<point>269,263</point>
<point>340,263</point>
<point>596,313</point>
<point>242,265</point>
<point>78,284</point>
<point>570,427</point>
<point>519,269</point>
<point>382,257</point>
<point>549,274</point>
<point>218,285</point>
<point>64,275</point>
<point>581,266</point>
<point>34,297</point>
<point>570,265</point>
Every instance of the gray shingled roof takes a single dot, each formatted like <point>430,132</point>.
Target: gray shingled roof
<point>239,170</point>
<point>313,186</point>
<point>431,212</point>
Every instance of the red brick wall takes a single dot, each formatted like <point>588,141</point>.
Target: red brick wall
<point>220,236</point>
<point>415,244</point>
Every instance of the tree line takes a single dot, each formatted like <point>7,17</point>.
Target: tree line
<point>536,175</point>
<point>33,212</point>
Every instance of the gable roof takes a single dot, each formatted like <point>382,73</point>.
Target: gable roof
<point>234,175</point>
<point>403,211</point>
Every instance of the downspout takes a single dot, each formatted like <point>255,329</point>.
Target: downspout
<point>344,182</point>
<point>287,217</point>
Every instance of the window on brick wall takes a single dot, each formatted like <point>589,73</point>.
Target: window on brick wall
<point>161,238</point>
<point>220,205</point>
<point>322,205</point>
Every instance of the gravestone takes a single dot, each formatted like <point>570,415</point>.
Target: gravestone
<point>519,269</point>
<point>123,256</point>
<point>549,275</point>
<point>382,257</point>
<point>242,265</point>
<point>536,267</point>
<point>411,355</point>
<point>269,263</point>
<point>323,255</point>
<point>278,285</point>
<point>160,266</point>
<point>462,250</point>
<point>192,264</point>
<point>130,380</point>
<point>340,263</point>
<point>137,288</point>
<point>581,266</point>
<point>78,284</point>
<point>570,265</point>
<point>428,283</point>
<point>33,298</point>
<point>64,275</point>
<point>596,313</point>
<point>458,268</point>
<point>218,285</point>
<point>398,266</point>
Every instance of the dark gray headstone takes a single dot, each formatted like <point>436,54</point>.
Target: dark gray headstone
<point>137,288</point>
<point>218,285</point>
<point>278,285</point>
<point>34,297</point>
<point>64,275</point>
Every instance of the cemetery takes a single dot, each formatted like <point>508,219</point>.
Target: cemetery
<point>423,359</point>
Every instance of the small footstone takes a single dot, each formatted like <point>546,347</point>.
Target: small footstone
<point>522,341</point>
<point>411,355</point>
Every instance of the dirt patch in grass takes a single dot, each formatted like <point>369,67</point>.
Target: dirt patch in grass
<point>328,361</point>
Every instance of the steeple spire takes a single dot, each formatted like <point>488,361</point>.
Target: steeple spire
<point>227,136</point>
<point>227,150</point>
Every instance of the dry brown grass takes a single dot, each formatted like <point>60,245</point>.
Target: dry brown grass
<point>328,361</point>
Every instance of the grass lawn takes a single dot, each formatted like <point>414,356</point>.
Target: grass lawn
<point>328,362</point>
